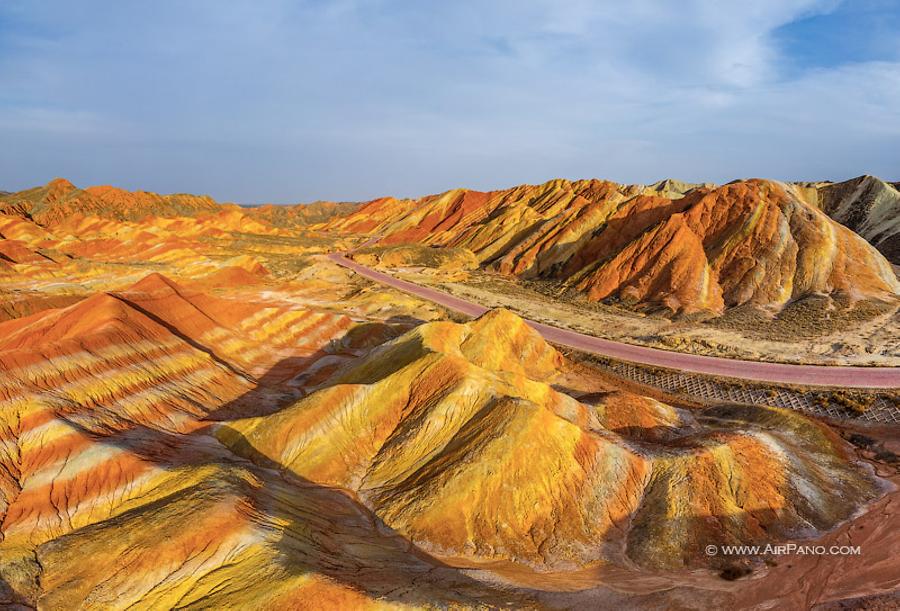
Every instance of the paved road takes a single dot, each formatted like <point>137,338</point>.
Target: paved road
<point>855,377</point>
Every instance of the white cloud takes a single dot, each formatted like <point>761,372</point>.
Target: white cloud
<point>357,98</point>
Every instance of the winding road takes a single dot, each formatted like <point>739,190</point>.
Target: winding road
<point>816,375</point>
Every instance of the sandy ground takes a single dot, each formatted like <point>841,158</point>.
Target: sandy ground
<point>872,342</point>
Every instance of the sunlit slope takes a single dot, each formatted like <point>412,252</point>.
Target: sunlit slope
<point>228,453</point>
<point>685,249</point>
<point>103,411</point>
<point>750,242</point>
<point>455,436</point>
<point>156,356</point>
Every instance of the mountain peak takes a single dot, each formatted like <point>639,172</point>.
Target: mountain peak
<point>154,282</point>
<point>60,184</point>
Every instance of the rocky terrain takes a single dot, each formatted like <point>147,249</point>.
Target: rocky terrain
<point>59,199</point>
<point>444,263</point>
<point>300,215</point>
<point>200,403</point>
<point>753,269</point>
<point>700,249</point>
<point>868,206</point>
<point>59,243</point>
<point>185,441</point>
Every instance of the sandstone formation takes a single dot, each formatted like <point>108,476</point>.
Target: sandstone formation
<point>102,404</point>
<point>301,215</point>
<point>60,199</point>
<point>438,259</point>
<point>57,242</point>
<point>682,248</point>
<point>183,442</point>
<point>870,207</point>
<point>454,436</point>
<point>198,409</point>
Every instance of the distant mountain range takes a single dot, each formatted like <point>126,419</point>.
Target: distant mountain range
<point>299,215</point>
<point>675,246</point>
<point>60,199</point>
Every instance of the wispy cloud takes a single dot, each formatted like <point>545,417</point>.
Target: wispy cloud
<point>283,100</point>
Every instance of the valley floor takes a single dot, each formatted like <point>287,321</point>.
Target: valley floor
<point>845,339</point>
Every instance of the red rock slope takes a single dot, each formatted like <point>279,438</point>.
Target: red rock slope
<point>183,442</point>
<point>752,241</point>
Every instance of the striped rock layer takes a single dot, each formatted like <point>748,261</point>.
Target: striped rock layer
<point>870,207</point>
<point>455,437</point>
<point>57,239</point>
<point>69,231</point>
<point>105,455</point>
<point>689,249</point>
<point>163,448</point>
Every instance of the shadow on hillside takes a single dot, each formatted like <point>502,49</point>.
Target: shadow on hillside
<point>404,321</point>
<point>605,242</point>
<point>10,599</point>
<point>511,242</point>
<point>330,533</point>
<point>272,391</point>
<point>326,531</point>
<point>180,335</point>
<point>292,378</point>
<point>323,530</point>
<point>658,434</point>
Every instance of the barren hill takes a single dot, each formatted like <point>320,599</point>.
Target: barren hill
<point>301,215</point>
<point>61,237</point>
<point>869,206</point>
<point>454,436</point>
<point>684,248</point>
<point>60,199</point>
<point>183,441</point>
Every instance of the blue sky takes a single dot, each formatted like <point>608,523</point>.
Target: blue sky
<point>286,101</point>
